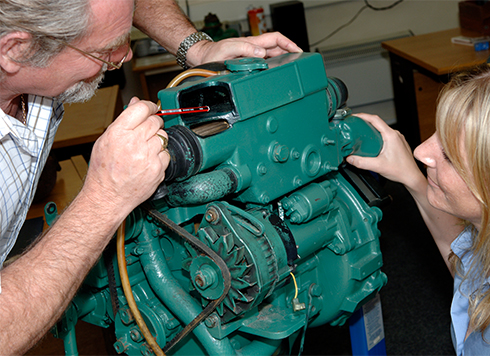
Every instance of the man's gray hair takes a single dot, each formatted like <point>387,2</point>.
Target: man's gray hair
<point>48,22</point>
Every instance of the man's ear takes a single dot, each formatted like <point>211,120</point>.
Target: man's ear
<point>13,47</point>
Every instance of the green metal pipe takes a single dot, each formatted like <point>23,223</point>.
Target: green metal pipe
<point>174,296</point>
<point>203,188</point>
<point>70,342</point>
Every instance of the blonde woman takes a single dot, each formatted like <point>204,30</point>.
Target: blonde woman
<point>453,197</point>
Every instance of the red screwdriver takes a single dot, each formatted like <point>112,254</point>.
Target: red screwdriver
<point>183,110</point>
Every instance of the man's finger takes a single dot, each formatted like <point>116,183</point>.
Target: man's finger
<point>135,114</point>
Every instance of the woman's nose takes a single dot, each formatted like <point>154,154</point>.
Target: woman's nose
<point>426,151</point>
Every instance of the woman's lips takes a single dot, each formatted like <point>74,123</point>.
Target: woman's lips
<point>431,182</point>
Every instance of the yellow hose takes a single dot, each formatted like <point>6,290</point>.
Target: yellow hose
<point>123,273</point>
<point>197,72</point>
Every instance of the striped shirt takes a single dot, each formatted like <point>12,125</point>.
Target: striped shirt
<point>23,154</point>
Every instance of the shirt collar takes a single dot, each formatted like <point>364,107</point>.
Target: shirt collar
<point>31,135</point>
<point>463,242</point>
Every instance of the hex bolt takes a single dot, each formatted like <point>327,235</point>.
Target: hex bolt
<point>119,347</point>
<point>199,280</point>
<point>326,141</point>
<point>295,217</point>
<point>297,182</point>
<point>212,216</point>
<point>146,350</point>
<point>280,153</point>
<point>138,250</point>
<point>126,316</point>
<point>264,199</point>
<point>261,169</point>
<point>341,112</point>
<point>287,203</point>
<point>205,277</point>
<point>212,321</point>
<point>135,335</point>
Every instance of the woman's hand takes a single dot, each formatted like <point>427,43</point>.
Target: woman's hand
<point>395,161</point>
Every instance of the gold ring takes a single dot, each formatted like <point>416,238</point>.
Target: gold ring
<point>164,141</point>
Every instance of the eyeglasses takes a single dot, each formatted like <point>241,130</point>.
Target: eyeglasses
<point>111,65</point>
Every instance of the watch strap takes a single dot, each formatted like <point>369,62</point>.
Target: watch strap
<point>187,43</point>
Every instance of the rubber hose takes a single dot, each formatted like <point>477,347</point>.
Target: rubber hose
<point>128,292</point>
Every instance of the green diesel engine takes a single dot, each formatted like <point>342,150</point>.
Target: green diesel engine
<point>257,232</point>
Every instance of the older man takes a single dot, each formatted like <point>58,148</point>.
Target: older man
<point>53,51</point>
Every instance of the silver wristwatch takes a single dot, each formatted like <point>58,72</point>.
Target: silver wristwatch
<point>187,43</point>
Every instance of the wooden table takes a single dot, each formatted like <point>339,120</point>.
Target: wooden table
<point>85,122</point>
<point>420,65</point>
<point>69,180</point>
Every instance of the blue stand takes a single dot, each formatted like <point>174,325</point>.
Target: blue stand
<point>366,330</point>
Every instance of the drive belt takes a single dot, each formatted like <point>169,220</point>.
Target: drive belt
<point>205,250</point>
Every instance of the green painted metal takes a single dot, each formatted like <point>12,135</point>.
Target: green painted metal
<point>50,213</point>
<point>266,193</point>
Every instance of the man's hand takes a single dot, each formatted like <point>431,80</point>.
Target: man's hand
<point>266,45</point>
<point>127,162</point>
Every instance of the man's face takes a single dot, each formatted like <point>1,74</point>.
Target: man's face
<point>83,90</point>
<point>73,76</point>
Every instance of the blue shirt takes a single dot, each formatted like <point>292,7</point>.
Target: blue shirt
<point>24,150</point>
<point>476,343</point>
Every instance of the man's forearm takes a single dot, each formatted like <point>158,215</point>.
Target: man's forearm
<point>163,21</point>
<point>37,288</point>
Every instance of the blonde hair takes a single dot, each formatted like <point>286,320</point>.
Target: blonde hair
<point>463,120</point>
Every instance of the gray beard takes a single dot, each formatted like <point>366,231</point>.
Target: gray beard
<point>82,91</point>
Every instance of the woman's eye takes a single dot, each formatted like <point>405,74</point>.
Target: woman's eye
<point>444,155</point>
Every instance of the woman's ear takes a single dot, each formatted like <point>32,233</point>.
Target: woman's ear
<point>13,47</point>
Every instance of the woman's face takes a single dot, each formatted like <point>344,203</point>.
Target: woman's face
<point>446,190</point>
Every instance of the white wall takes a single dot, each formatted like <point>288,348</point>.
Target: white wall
<point>324,16</point>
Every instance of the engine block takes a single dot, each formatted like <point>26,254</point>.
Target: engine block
<point>258,230</point>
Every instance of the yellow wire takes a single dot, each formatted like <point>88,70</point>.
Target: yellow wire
<point>295,285</point>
